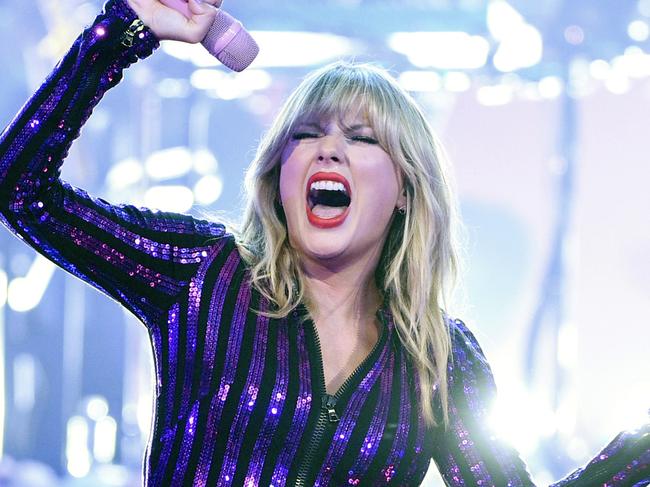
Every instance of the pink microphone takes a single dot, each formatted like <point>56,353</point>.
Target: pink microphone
<point>227,40</point>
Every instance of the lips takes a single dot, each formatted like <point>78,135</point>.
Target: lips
<point>328,176</point>
<point>326,222</point>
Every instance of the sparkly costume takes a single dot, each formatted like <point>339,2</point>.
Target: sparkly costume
<point>240,399</point>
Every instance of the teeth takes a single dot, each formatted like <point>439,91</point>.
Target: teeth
<point>328,185</point>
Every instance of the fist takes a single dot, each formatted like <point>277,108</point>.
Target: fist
<point>169,23</point>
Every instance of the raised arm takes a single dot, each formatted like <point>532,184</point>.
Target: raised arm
<point>139,257</point>
<point>469,452</point>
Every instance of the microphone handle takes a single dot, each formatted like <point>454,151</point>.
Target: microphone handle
<point>227,40</point>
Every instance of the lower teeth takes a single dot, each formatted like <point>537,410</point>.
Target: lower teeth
<point>323,211</point>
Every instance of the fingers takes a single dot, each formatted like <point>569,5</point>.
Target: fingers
<point>202,7</point>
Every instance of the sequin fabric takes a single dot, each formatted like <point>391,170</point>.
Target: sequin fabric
<point>239,396</point>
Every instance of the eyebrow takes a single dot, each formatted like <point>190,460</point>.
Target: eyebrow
<point>359,126</point>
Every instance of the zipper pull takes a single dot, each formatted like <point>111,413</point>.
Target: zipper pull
<point>329,402</point>
<point>136,27</point>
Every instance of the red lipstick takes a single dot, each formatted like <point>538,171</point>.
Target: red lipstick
<point>326,222</point>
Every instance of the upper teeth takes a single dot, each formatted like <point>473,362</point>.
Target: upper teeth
<point>328,185</point>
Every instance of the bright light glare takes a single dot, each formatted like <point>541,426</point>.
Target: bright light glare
<point>599,69</point>
<point>204,162</point>
<point>76,447</point>
<point>193,53</point>
<point>24,375</point>
<point>502,18</point>
<point>144,413</point>
<point>550,87</point>
<point>173,88</point>
<point>177,199</point>
<point>521,43</point>
<point>229,86</point>
<point>632,410</point>
<point>169,163</point>
<point>638,30</point>
<point>422,81</point>
<point>443,50</point>
<point>567,346</point>
<point>97,408</point>
<point>457,82</point>
<point>634,63</point>
<point>206,79</point>
<point>125,173</point>
<point>281,49</point>
<point>522,419</point>
<point>521,49</point>
<point>494,95</point>
<point>618,83</point>
<point>104,439</point>
<point>295,48</point>
<point>25,293</point>
<point>208,190</point>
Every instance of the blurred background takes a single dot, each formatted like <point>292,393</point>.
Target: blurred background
<point>544,108</point>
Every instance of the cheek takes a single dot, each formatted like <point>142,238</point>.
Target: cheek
<point>380,183</point>
<point>291,176</point>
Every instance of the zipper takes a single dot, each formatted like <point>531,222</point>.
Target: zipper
<point>328,414</point>
<point>136,27</point>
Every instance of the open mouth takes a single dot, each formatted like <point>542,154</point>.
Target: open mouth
<point>328,199</point>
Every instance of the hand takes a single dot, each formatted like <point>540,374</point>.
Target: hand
<point>167,23</point>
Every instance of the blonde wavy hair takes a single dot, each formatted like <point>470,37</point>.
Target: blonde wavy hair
<point>419,262</point>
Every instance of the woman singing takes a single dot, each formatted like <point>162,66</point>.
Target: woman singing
<point>309,346</point>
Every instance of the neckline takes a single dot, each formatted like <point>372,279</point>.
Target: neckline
<point>361,370</point>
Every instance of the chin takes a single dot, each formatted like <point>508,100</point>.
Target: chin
<point>325,250</point>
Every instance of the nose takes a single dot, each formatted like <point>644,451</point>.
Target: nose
<point>331,149</point>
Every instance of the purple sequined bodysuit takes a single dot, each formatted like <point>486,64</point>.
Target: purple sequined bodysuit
<point>240,399</point>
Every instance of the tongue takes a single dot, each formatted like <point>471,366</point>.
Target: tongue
<point>324,211</point>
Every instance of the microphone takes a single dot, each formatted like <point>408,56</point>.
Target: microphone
<point>227,40</point>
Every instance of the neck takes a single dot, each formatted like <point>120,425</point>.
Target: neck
<point>345,294</point>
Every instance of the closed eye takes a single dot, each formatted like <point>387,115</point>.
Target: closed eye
<point>304,135</point>
<point>365,139</point>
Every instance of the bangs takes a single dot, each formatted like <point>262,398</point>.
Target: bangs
<point>344,91</point>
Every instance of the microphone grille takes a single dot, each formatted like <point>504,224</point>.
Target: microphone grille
<point>240,53</point>
<point>235,52</point>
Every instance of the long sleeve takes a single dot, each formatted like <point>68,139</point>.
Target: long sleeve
<point>139,257</point>
<point>468,452</point>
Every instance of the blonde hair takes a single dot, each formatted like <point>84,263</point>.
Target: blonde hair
<point>418,265</point>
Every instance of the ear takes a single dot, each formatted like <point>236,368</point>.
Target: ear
<point>401,199</point>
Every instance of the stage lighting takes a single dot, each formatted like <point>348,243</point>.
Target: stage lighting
<point>495,95</point>
<point>125,173</point>
<point>25,293</point>
<point>208,189</point>
<point>421,81</point>
<point>174,198</point>
<point>638,30</point>
<point>442,50</point>
<point>169,163</point>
